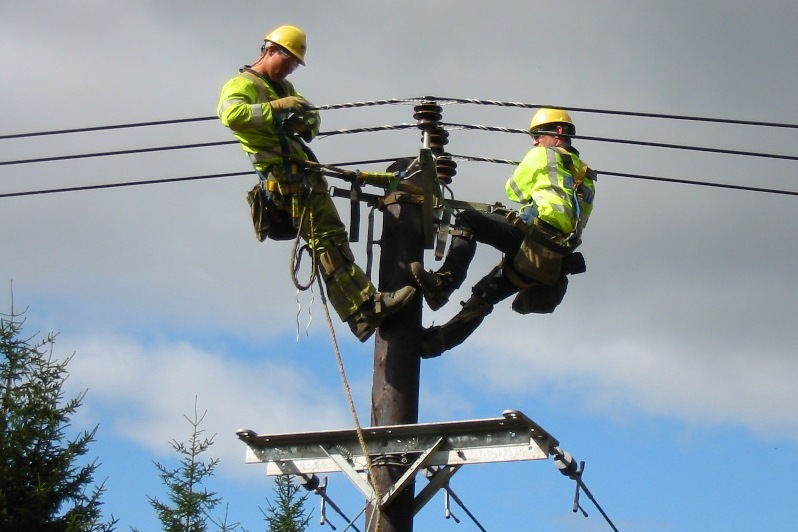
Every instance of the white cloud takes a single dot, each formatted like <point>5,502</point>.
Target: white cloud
<point>631,375</point>
<point>143,393</point>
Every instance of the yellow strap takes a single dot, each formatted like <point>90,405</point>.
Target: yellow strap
<point>578,174</point>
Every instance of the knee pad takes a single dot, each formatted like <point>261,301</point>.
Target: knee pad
<point>337,258</point>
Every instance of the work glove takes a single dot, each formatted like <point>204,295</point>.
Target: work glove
<point>295,104</point>
<point>306,126</point>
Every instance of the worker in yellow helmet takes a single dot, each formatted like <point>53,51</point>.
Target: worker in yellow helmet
<point>555,190</point>
<point>272,121</point>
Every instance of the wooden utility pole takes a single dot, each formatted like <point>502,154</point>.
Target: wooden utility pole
<point>395,388</point>
<point>406,231</point>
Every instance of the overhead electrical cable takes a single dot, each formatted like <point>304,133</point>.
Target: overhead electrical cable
<point>401,127</point>
<point>441,100</point>
<point>620,113</point>
<point>744,153</point>
<point>184,120</point>
<point>701,183</point>
<point>105,128</point>
<point>631,142</point>
<point>125,184</point>
<point>117,152</point>
<point>463,157</point>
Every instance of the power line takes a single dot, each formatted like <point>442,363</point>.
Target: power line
<point>700,183</point>
<point>396,127</point>
<point>746,153</point>
<point>442,100</point>
<point>125,184</point>
<point>117,152</point>
<point>411,126</point>
<point>104,128</point>
<point>645,177</point>
<point>622,113</point>
<point>463,157</point>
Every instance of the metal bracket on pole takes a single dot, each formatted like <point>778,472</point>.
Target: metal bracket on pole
<point>407,477</point>
<point>445,447</point>
<point>354,212</point>
<point>443,233</point>
<point>429,180</point>
<point>346,468</point>
<point>438,478</point>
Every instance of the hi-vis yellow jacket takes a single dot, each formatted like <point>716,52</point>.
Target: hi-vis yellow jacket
<point>546,177</point>
<point>244,108</point>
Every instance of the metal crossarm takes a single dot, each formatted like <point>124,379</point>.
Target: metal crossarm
<point>442,447</point>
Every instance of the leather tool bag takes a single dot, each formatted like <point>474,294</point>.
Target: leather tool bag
<point>542,252</point>
<point>269,219</point>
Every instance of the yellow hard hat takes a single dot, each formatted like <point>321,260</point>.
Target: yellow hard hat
<point>549,115</point>
<point>291,38</point>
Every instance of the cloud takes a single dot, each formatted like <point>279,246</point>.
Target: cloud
<point>633,375</point>
<point>142,391</point>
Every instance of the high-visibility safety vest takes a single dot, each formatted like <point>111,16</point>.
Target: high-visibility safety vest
<point>558,183</point>
<point>244,108</point>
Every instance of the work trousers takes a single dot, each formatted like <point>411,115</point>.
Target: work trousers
<point>348,287</point>
<point>492,229</point>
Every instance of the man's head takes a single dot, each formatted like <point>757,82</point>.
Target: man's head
<point>290,39</point>
<point>283,50</point>
<point>551,127</point>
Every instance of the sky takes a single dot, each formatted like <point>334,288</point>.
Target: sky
<point>669,368</point>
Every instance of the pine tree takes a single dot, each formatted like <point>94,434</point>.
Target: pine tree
<point>288,513</point>
<point>190,501</point>
<point>42,485</point>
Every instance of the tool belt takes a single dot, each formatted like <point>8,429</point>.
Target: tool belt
<point>540,257</point>
<point>269,217</point>
<point>289,179</point>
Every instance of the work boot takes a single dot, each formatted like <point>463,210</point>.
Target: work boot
<point>389,302</point>
<point>439,338</point>
<point>361,326</point>
<point>433,285</point>
<point>371,314</point>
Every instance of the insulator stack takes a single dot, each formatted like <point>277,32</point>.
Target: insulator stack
<point>427,115</point>
<point>438,138</point>
<point>447,167</point>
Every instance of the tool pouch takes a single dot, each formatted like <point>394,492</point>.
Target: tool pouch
<point>542,252</point>
<point>269,219</point>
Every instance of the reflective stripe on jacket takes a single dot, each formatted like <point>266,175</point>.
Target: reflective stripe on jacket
<point>244,108</point>
<point>546,179</point>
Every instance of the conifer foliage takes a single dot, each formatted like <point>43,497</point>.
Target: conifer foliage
<point>190,501</point>
<point>43,485</point>
<point>287,513</point>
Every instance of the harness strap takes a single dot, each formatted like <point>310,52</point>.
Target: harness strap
<point>462,233</point>
<point>394,198</point>
<point>264,96</point>
<point>578,176</point>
